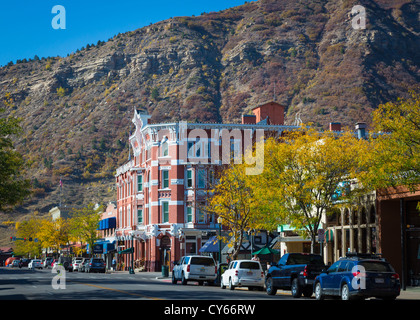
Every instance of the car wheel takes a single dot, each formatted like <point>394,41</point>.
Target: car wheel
<point>222,286</point>
<point>296,289</point>
<point>318,292</point>
<point>183,280</point>
<point>345,294</point>
<point>271,290</point>
<point>231,286</point>
<point>174,281</point>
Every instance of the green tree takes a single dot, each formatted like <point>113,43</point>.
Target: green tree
<point>13,187</point>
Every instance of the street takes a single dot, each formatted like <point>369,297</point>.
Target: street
<point>37,285</point>
<point>27,284</point>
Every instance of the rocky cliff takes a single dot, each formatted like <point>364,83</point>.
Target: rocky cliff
<point>76,110</point>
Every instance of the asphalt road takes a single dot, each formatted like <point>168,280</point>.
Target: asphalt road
<point>26,284</point>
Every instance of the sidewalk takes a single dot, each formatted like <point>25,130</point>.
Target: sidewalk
<point>411,293</point>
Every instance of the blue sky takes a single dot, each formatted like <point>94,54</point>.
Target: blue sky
<point>26,29</point>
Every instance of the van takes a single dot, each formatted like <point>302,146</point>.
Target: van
<point>194,268</point>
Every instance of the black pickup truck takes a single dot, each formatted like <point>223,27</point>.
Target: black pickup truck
<point>295,272</point>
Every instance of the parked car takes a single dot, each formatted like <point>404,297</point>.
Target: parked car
<point>358,276</point>
<point>9,261</point>
<point>295,272</point>
<point>96,265</point>
<point>24,262</point>
<point>243,273</point>
<point>35,263</point>
<point>77,262</point>
<point>47,262</point>
<point>54,263</point>
<point>66,262</point>
<point>15,263</point>
<point>82,266</point>
<point>194,268</point>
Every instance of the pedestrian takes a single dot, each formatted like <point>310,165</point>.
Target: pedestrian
<point>255,258</point>
<point>114,264</point>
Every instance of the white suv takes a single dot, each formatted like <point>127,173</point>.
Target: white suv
<point>243,273</point>
<point>195,268</point>
<point>77,262</point>
<point>35,263</point>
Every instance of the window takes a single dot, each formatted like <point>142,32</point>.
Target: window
<point>165,211</point>
<point>189,213</point>
<point>201,178</point>
<point>189,178</point>
<point>165,179</point>
<point>211,177</point>
<point>201,216</point>
<point>343,266</point>
<point>140,183</point>
<point>139,216</point>
<point>165,149</point>
<point>128,212</point>
<point>334,267</point>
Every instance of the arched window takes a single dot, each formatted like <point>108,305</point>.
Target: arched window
<point>165,149</point>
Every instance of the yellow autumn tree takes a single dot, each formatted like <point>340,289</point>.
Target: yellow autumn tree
<point>28,230</point>
<point>84,224</point>
<point>304,174</point>
<point>394,155</point>
<point>54,233</point>
<point>232,201</point>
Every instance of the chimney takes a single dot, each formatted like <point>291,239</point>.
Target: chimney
<point>249,119</point>
<point>361,130</point>
<point>335,126</point>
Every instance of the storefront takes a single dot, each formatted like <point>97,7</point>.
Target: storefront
<point>399,232</point>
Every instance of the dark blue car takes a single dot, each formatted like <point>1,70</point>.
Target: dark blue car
<point>358,276</point>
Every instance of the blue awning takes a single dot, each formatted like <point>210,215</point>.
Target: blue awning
<point>212,245</point>
<point>109,223</point>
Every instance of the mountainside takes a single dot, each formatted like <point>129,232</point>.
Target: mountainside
<point>77,110</point>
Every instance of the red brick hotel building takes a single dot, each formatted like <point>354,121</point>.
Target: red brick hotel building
<point>161,189</point>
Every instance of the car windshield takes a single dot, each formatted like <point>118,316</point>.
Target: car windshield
<point>249,265</point>
<point>202,261</point>
<point>376,266</point>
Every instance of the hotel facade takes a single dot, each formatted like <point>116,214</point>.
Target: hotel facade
<point>163,188</point>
